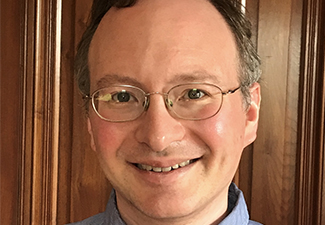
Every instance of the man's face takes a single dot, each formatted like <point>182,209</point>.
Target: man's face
<point>156,45</point>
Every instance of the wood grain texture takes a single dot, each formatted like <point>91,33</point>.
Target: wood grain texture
<point>274,156</point>
<point>10,111</point>
<point>40,107</point>
<point>66,111</point>
<point>310,164</point>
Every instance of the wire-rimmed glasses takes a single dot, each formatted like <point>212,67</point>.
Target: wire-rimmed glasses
<point>191,101</point>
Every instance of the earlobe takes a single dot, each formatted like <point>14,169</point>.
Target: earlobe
<point>90,131</point>
<point>252,114</point>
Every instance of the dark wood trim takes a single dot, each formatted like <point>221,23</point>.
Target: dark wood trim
<point>310,164</point>
<point>10,110</point>
<point>66,111</point>
<point>40,119</point>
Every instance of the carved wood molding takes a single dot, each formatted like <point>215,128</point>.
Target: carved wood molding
<point>311,166</point>
<point>41,29</point>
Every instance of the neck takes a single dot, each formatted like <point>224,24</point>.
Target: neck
<point>209,214</point>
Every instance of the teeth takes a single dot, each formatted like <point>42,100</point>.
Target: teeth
<point>157,169</point>
<point>164,169</point>
<point>148,168</point>
<point>184,163</point>
<point>175,166</point>
<point>144,167</point>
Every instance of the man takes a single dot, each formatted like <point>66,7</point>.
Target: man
<point>173,99</point>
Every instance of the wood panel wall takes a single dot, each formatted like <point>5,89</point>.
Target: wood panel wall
<point>279,35</point>
<point>310,194</point>
<point>49,175</point>
<point>10,112</point>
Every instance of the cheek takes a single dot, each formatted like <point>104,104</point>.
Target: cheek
<point>222,133</point>
<point>224,137</point>
<point>108,137</point>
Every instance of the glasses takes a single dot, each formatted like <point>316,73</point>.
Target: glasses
<point>192,101</point>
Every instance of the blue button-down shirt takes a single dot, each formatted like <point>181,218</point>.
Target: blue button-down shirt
<point>238,214</point>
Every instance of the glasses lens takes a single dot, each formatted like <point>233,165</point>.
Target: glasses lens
<point>195,101</point>
<point>118,103</point>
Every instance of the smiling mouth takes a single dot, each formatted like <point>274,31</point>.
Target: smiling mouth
<point>164,169</point>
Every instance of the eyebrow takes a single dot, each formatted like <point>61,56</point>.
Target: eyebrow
<point>196,76</point>
<point>111,79</point>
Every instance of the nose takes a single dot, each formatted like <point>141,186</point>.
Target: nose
<point>159,129</point>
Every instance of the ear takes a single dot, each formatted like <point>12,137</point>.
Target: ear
<point>90,131</point>
<point>252,114</point>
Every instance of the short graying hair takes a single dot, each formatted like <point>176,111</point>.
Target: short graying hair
<point>249,62</point>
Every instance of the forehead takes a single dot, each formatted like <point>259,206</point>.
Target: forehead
<point>163,38</point>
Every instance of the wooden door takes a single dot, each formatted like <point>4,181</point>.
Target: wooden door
<point>49,174</point>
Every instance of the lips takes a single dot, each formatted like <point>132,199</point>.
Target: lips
<point>165,169</point>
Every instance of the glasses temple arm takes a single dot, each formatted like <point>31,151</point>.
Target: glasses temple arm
<point>231,91</point>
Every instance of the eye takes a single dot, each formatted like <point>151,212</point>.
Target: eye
<point>123,96</point>
<point>194,94</point>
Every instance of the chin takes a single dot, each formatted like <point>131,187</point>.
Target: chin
<point>167,212</point>
<point>167,207</point>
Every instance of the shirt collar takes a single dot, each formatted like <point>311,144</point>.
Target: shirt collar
<point>237,208</point>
